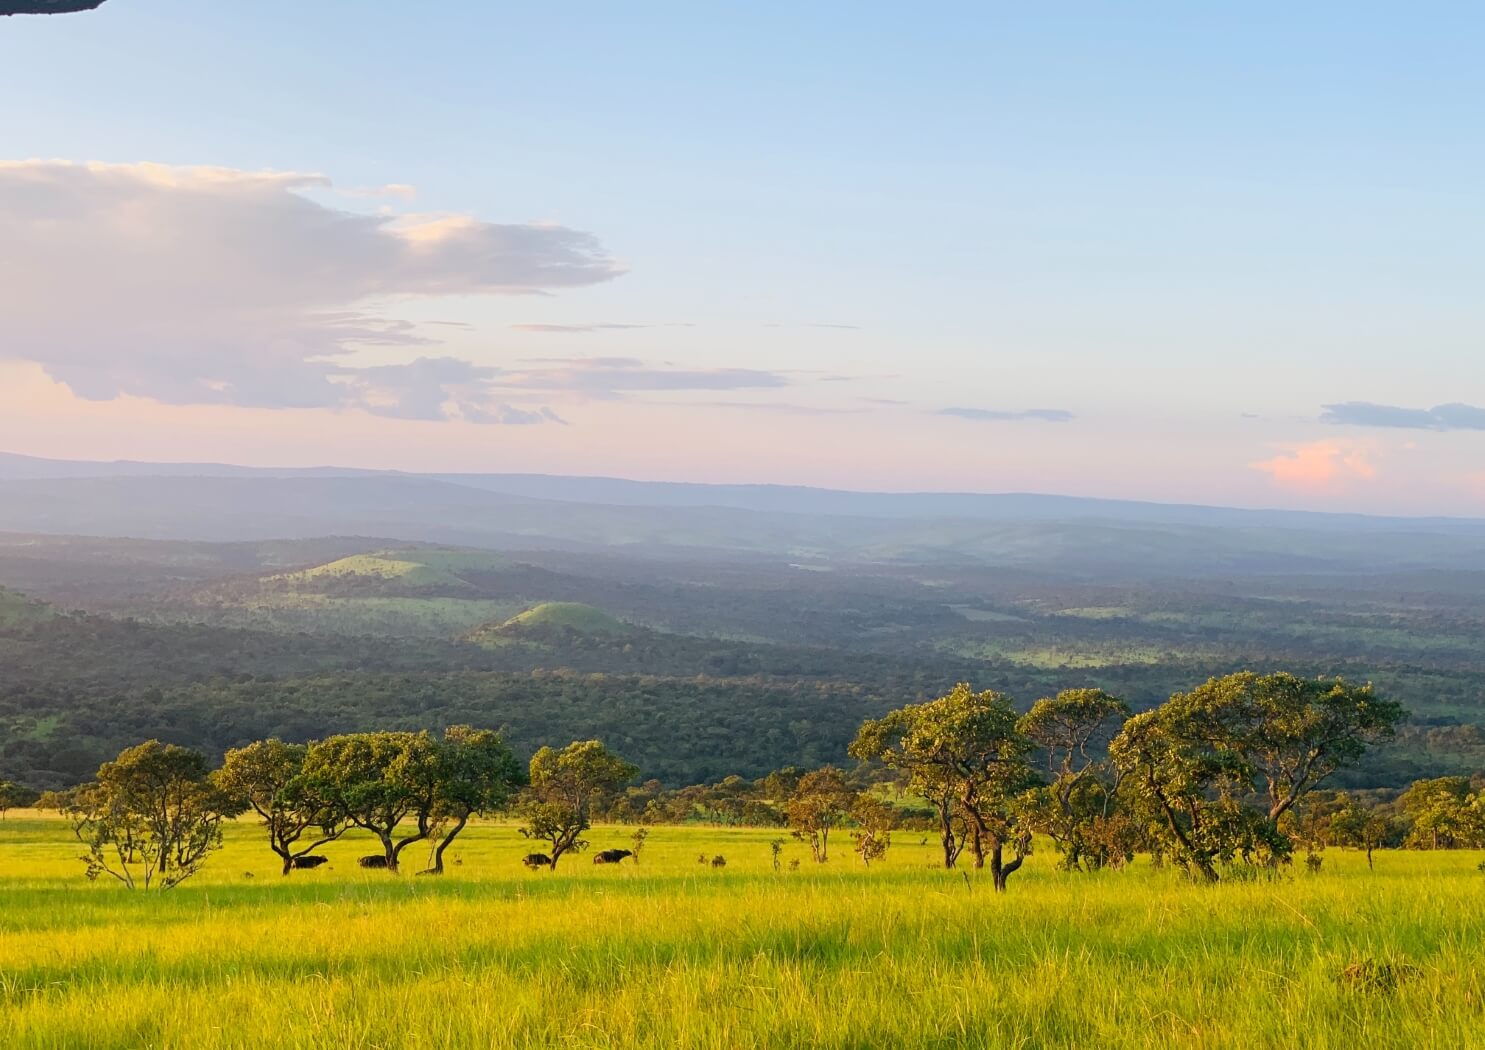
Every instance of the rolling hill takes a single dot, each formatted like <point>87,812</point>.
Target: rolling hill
<point>416,569</point>
<point>547,618</point>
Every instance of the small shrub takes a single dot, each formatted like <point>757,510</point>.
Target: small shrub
<point>1378,976</point>
<point>1313,862</point>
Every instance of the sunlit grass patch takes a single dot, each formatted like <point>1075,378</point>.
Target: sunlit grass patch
<point>673,953</point>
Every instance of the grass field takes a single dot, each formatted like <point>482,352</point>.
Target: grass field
<point>676,954</point>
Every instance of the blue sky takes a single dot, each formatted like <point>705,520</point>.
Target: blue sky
<point>1181,231</point>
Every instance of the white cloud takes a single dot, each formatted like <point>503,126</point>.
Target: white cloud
<point>611,376</point>
<point>213,285</point>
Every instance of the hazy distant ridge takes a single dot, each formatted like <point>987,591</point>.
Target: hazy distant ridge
<point>771,499</point>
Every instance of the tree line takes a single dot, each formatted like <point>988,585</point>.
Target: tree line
<point>1221,780</point>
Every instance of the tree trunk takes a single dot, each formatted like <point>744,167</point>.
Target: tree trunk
<point>288,862</point>
<point>437,868</point>
<point>977,844</point>
<point>1205,869</point>
<point>390,850</point>
<point>1001,871</point>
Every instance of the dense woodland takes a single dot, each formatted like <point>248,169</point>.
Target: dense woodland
<point>695,669</point>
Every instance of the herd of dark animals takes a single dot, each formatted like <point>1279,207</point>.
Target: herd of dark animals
<point>531,860</point>
<point>607,856</point>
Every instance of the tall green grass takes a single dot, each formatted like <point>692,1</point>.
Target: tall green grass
<point>674,953</point>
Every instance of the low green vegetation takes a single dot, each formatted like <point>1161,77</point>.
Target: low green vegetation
<point>17,610</point>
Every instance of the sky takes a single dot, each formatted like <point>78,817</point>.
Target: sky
<point>1227,254</point>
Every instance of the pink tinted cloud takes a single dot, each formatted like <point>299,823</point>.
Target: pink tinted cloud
<point>1318,466</point>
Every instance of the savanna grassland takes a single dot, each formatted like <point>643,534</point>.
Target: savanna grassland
<point>673,953</point>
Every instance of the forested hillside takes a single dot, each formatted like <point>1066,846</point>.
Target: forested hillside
<point>696,668</point>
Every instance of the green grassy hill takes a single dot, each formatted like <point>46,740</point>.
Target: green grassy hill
<point>424,591</point>
<point>412,568</point>
<point>555,616</point>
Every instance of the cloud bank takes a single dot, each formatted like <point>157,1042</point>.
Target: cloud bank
<point>608,377</point>
<point>1440,417</point>
<point>219,286</point>
<point>1318,465</point>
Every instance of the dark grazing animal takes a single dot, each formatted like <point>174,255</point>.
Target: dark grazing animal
<point>536,860</point>
<point>376,860</point>
<point>312,862</point>
<point>719,861</point>
<point>611,856</point>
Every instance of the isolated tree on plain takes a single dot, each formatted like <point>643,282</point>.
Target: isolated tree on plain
<point>268,778</point>
<point>1291,732</point>
<point>874,821</point>
<point>1079,808</point>
<point>376,781</point>
<point>565,785</point>
<point>476,776</point>
<point>1189,795</point>
<point>60,801</point>
<point>821,801</point>
<point>964,753</point>
<point>1193,762</point>
<point>1444,814</point>
<point>151,818</point>
<point>14,796</point>
<point>1359,826</point>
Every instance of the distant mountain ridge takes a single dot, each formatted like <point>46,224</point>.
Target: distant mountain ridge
<point>764,498</point>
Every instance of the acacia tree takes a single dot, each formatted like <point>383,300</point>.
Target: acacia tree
<point>1189,795</point>
<point>1292,732</point>
<point>558,805</point>
<point>821,800</point>
<point>268,778</point>
<point>476,775</point>
<point>964,753</point>
<point>874,820</point>
<point>376,781</point>
<point>1359,826</point>
<point>13,795</point>
<point>1194,762</point>
<point>1078,809</point>
<point>1444,814</point>
<point>151,818</point>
